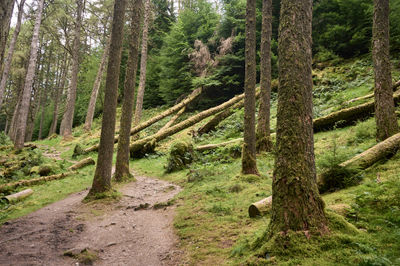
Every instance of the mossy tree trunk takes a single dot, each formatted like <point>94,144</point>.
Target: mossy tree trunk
<point>296,203</point>
<point>263,127</point>
<point>143,62</point>
<point>385,117</point>
<point>11,49</point>
<point>122,163</point>
<point>102,176</point>
<point>6,10</point>
<point>249,162</point>
<point>68,118</point>
<point>96,88</point>
<point>23,109</point>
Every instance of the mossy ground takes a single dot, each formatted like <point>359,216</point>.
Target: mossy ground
<point>212,220</point>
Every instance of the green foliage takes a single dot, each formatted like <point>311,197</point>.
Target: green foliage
<point>364,131</point>
<point>332,175</point>
<point>4,139</point>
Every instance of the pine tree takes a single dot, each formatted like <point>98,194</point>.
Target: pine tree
<point>385,117</point>
<point>296,203</point>
<point>102,176</point>
<point>249,163</point>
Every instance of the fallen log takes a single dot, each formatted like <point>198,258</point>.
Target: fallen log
<point>82,163</point>
<point>382,150</point>
<point>31,182</point>
<point>368,96</point>
<point>348,116</point>
<point>214,122</point>
<point>155,119</point>
<point>140,148</point>
<point>18,196</point>
<point>260,207</point>
<point>173,119</point>
<point>214,146</point>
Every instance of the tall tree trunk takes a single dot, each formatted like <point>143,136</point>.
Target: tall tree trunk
<point>59,92</point>
<point>33,110</point>
<point>296,203</point>
<point>143,62</point>
<point>263,127</point>
<point>386,121</point>
<point>45,89</point>
<point>6,10</point>
<point>249,162</point>
<point>30,75</point>
<point>122,163</point>
<point>7,64</point>
<point>95,90</point>
<point>68,117</point>
<point>102,176</point>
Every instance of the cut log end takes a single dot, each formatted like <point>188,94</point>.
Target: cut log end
<point>18,196</point>
<point>260,207</point>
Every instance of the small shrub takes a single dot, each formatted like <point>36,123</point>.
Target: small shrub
<point>4,139</point>
<point>78,150</point>
<point>363,131</point>
<point>196,175</point>
<point>333,176</point>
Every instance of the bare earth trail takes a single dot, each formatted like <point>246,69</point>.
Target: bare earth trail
<point>128,232</point>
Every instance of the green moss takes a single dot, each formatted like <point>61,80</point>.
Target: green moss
<point>180,156</point>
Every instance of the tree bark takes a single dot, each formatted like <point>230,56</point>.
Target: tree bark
<point>260,207</point>
<point>143,62</point>
<point>249,161</point>
<point>385,117</point>
<point>6,10</point>
<point>7,64</point>
<point>122,163</point>
<point>95,90</point>
<point>102,176</point>
<point>263,127</point>
<point>30,75</point>
<point>19,196</point>
<point>155,119</point>
<point>143,146</point>
<point>296,203</point>
<point>68,117</point>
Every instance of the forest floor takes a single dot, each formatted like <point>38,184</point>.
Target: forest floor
<point>134,230</point>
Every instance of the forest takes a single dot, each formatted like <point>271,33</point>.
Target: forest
<point>198,132</point>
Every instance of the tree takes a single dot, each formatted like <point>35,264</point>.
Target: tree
<point>249,163</point>
<point>385,117</point>
<point>6,10</point>
<point>95,90</point>
<point>143,62</point>
<point>68,118</point>
<point>263,126</point>
<point>122,163</point>
<point>7,65</point>
<point>296,203</point>
<point>30,75</point>
<point>102,176</point>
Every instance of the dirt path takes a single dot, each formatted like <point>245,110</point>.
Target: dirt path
<point>132,231</point>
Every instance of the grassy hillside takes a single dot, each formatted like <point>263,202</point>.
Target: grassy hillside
<point>212,211</point>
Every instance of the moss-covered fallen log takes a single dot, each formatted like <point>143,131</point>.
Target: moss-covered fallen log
<point>82,163</point>
<point>382,150</point>
<point>260,207</point>
<point>147,145</point>
<point>368,96</point>
<point>34,181</point>
<point>173,119</point>
<point>218,145</point>
<point>155,119</point>
<point>218,118</point>
<point>348,116</point>
<point>18,196</point>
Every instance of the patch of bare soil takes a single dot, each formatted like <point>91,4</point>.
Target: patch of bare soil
<point>136,230</point>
